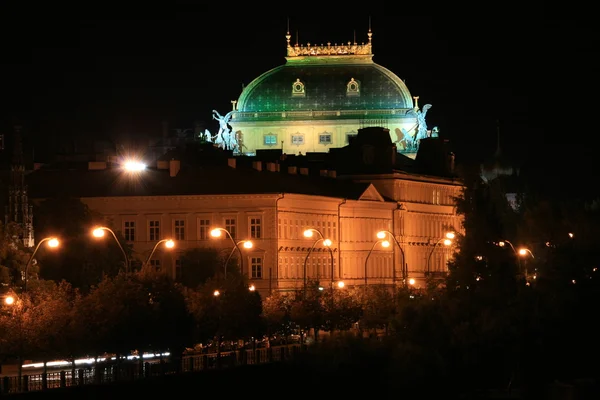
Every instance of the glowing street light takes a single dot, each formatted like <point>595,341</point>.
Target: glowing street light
<point>382,235</point>
<point>99,232</point>
<point>9,300</point>
<point>216,232</point>
<point>52,242</point>
<point>169,244</point>
<point>384,243</point>
<point>446,240</point>
<point>309,233</point>
<point>134,166</point>
<point>247,244</point>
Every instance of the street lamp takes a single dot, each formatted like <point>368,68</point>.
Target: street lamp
<point>382,235</point>
<point>327,243</point>
<point>216,232</point>
<point>447,240</point>
<point>169,244</point>
<point>384,243</point>
<point>247,244</point>
<point>99,232</point>
<point>52,242</point>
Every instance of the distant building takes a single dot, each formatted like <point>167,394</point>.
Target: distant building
<point>271,199</point>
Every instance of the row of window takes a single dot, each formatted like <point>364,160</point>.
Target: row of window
<point>179,229</point>
<point>352,88</point>
<point>256,267</point>
<point>297,139</point>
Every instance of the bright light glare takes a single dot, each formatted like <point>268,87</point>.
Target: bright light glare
<point>341,284</point>
<point>247,244</point>
<point>327,242</point>
<point>381,234</point>
<point>411,281</point>
<point>98,232</point>
<point>134,166</point>
<point>447,242</point>
<point>216,293</point>
<point>523,252</point>
<point>308,233</point>
<point>450,235</point>
<point>169,244</point>
<point>215,232</point>
<point>9,300</point>
<point>252,288</point>
<point>53,242</point>
<point>385,243</point>
<point>501,244</point>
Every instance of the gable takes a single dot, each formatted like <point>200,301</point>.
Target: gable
<point>371,194</point>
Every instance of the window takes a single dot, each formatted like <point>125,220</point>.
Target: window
<point>230,226</point>
<point>353,88</point>
<point>298,139</point>
<point>255,228</point>
<point>153,231</point>
<point>349,137</point>
<point>436,196</point>
<point>256,267</point>
<point>179,229</point>
<point>178,270</point>
<point>203,229</point>
<point>325,138</point>
<point>155,265</point>
<point>129,231</point>
<point>270,140</point>
<point>298,89</point>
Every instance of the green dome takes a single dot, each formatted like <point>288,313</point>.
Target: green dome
<point>325,84</point>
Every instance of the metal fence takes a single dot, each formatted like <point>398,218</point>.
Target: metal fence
<point>104,372</point>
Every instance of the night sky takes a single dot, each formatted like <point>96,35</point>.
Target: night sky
<point>72,74</point>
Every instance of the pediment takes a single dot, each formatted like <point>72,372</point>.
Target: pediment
<point>371,194</point>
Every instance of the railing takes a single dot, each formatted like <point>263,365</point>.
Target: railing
<point>104,372</point>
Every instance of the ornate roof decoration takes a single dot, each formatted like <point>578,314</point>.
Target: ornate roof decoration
<point>351,48</point>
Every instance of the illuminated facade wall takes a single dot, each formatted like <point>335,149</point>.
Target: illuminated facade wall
<point>276,262</point>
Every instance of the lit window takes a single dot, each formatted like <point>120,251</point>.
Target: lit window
<point>298,89</point>
<point>353,88</point>
<point>270,140</point>
<point>298,139</point>
<point>325,138</point>
<point>203,229</point>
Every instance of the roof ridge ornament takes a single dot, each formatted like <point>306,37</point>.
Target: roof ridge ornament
<point>351,48</point>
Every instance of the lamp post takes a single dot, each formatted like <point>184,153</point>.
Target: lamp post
<point>522,252</point>
<point>169,244</point>
<point>384,243</point>
<point>52,242</point>
<point>447,240</point>
<point>216,232</point>
<point>381,235</point>
<point>99,232</point>
<point>247,244</point>
<point>327,243</point>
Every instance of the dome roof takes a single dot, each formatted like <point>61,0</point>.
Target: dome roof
<point>326,78</point>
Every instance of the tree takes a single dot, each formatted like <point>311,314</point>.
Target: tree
<point>198,265</point>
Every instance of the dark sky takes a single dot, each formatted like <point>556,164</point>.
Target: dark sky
<point>67,73</point>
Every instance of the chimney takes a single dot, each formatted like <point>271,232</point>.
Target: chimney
<point>257,165</point>
<point>303,171</point>
<point>292,170</point>
<point>231,162</point>
<point>272,167</point>
<point>174,166</point>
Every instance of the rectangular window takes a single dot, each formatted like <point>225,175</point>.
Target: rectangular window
<point>325,139</point>
<point>255,228</point>
<point>179,229</point>
<point>256,267</point>
<point>129,231</point>
<point>153,231</point>
<point>230,226</point>
<point>298,139</point>
<point>203,229</point>
<point>270,139</point>
<point>155,265</point>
